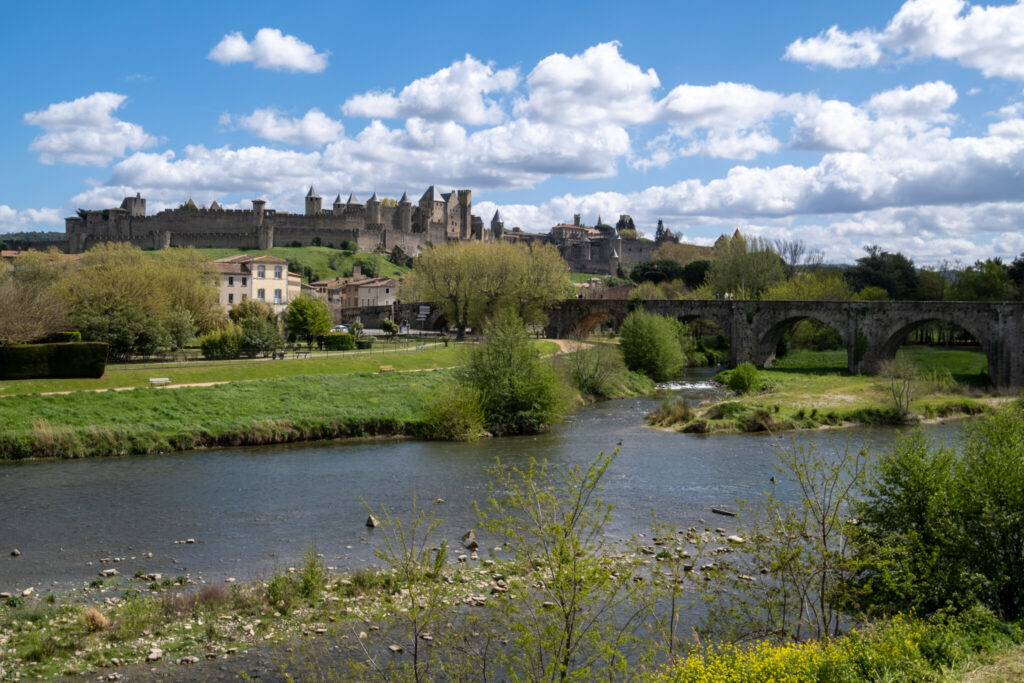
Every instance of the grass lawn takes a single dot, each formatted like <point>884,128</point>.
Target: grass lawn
<point>326,263</point>
<point>193,372</point>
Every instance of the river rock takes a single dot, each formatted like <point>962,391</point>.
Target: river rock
<point>469,541</point>
<point>192,659</point>
<point>4,596</point>
<point>395,649</point>
<point>27,592</point>
<point>735,539</point>
<point>462,559</point>
<point>15,552</point>
<point>155,654</point>
<point>109,572</point>
<point>372,522</point>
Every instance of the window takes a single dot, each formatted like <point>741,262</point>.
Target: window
<point>245,281</point>
<point>261,294</point>
<point>231,299</point>
<point>277,272</point>
<point>231,281</point>
<point>277,296</point>
<point>261,272</point>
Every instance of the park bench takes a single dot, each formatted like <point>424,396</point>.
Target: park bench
<point>154,381</point>
<point>387,368</point>
<point>302,354</point>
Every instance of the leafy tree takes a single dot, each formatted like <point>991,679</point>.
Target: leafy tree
<point>894,273</point>
<point>180,328</point>
<point>872,294</point>
<point>367,265</point>
<point>473,280</point>
<point>30,305</point>
<point>818,285</point>
<point>744,268</point>
<point>651,344</point>
<point>390,328</point>
<point>987,280</point>
<point>931,286</point>
<point>223,343</point>
<point>656,271</point>
<point>260,335</point>
<point>252,308</point>
<point>308,317</point>
<point>796,255</point>
<point>625,222</point>
<point>519,392</point>
<point>695,273</point>
<point>1016,273</point>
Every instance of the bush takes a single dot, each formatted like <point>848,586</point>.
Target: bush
<point>260,335</point>
<point>222,344</point>
<point>743,378</point>
<point>364,343</point>
<point>30,361</point>
<point>650,344</point>
<point>339,341</point>
<point>454,415</point>
<point>596,370</point>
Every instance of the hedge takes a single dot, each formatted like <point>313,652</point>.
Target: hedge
<point>364,343</point>
<point>33,361</point>
<point>339,341</point>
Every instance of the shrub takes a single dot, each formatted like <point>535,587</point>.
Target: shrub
<point>27,361</point>
<point>596,370</point>
<point>364,343</point>
<point>743,378</point>
<point>339,341</point>
<point>223,343</point>
<point>454,415</point>
<point>650,344</point>
<point>260,335</point>
<point>671,412</point>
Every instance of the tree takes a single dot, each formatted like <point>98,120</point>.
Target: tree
<point>473,280</point>
<point>252,308</point>
<point>656,271</point>
<point>390,328</point>
<point>987,280</point>
<point>695,273</point>
<point>651,344</point>
<point>894,273</point>
<point>744,268</point>
<point>308,317</point>
<point>519,392</point>
<point>30,307</point>
<point>931,285</point>
<point>818,285</point>
<point>625,222</point>
<point>795,254</point>
<point>259,335</point>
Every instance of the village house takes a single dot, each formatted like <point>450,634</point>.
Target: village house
<point>264,278</point>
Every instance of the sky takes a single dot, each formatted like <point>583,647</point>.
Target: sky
<point>842,124</point>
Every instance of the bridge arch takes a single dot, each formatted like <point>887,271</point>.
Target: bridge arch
<point>897,334</point>
<point>768,341</point>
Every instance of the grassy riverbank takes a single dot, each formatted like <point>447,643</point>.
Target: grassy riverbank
<point>809,390</point>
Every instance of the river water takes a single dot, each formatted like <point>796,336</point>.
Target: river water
<point>253,510</point>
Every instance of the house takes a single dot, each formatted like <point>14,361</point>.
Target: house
<point>374,291</point>
<point>264,278</point>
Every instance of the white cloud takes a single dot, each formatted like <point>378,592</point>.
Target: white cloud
<point>989,38</point>
<point>595,87</point>
<point>270,49</point>
<point>455,93</point>
<point>84,132</point>
<point>14,220</point>
<point>312,130</point>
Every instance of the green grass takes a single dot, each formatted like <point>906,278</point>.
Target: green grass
<point>320,363</point>
<point>326,263</point>
<point>583,277</point>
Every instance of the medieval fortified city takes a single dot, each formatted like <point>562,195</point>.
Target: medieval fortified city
<point>722,382</point>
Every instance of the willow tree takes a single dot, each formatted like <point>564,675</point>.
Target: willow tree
<point>471,281</point>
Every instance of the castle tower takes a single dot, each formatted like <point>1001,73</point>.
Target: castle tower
<point>404,214</point>
<point>465,214</point>
<point>259,208</point>
<point>313,202</point>
<point>339,208</point>
<point>373,210</point>
<point>497,226</point>
<point>135,206</point>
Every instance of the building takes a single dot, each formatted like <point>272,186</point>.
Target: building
<point>264,278</point>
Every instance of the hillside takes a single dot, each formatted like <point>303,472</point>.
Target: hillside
<point>324,263</point>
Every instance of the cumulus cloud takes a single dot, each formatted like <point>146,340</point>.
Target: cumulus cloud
<point>455,93</point>
<point>270,49</point>
<point>989,38</point>
<point>314,129</point>
<point>15,220</point>
<point>595,87</point>
<point>83,131</point>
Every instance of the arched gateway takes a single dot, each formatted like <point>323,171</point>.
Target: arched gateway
<point>871,331</point>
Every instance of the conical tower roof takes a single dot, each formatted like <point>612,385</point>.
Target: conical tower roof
<point>374,197</point>
<point>337,200</point>
<point>352,198</point>
<point>214,206</point>
<point>404,199</point>
<point>312,192</point>
<point>497,217</point>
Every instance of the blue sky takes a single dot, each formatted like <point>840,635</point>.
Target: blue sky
<point>842,124</point>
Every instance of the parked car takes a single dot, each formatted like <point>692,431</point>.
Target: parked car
<point>340,328</point>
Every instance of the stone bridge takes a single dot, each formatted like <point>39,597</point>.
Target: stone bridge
<point>871,331</point>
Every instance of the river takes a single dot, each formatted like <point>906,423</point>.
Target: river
<point>256,509</point>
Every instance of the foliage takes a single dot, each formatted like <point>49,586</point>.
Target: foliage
<point>356,328</point>
<point>180,328</point>
<point>743,379</point>
<point>826,284</point>
<point>903,648</point>
<point>931,286</point>
<point>223,343</point>
<point>390,327</point>
<point>30,308</point>
<point>339,341</point>
<point>578,619</point>
<point>367,264</point>
<point>744,268</point>
<point>129,331</point>
<point>252,308</point>
<point>473,280</point>
<point>455,414</point>
<point>307,317</point>
<point>87,359</point>
<point>899,377</point>
<point>656,271</point>
<point>987,280</point>
<point>795,255</point>
<point>260,336</point>
<point>944,529</point>
<point>872,293</point>
<point>595,370</point>
<point>519,392</point>
<point>892,272</point>
<point>695,273</point>
<point>651,344</point>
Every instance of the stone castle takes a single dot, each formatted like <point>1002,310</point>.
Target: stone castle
<point>376,225</point>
